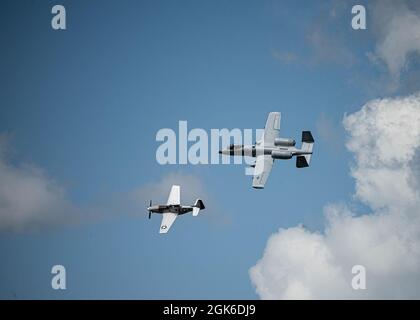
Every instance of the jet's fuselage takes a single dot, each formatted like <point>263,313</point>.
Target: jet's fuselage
<point>277,152</point>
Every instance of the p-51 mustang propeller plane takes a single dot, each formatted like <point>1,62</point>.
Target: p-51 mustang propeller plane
<point>271,147</point>
<point>172,209</point>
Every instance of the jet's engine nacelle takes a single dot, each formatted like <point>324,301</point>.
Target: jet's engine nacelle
<point>276,154</point>
<point>284,142</point>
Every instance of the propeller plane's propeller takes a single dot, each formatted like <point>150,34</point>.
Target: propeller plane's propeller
<point>150,210</point>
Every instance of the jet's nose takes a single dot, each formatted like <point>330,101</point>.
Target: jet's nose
<point>220,152</point>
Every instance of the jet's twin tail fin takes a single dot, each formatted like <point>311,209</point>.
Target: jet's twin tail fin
<point>307,146</point>
<point>198,205</point>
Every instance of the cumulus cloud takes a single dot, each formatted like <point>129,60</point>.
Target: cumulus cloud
<point>29,198</point>
<point>384,137</point>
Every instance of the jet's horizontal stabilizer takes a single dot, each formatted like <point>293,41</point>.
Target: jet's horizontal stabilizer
<point>199,205</point>
<point>307,146</point>
<point>307,137</point>
<point>301,162</point>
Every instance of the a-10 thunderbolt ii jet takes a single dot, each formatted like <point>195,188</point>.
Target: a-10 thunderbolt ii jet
<point>172,209</point>
<point>271,147</point>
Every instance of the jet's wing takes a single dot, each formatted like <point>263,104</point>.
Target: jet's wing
<point>272,127</point>
<point>167,221</point>
<point>174,196</point>
<point>262,170</point>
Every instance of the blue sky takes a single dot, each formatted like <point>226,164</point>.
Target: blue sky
<point>85,104</point>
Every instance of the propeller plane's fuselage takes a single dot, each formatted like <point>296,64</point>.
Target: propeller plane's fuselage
<point>178,209</point>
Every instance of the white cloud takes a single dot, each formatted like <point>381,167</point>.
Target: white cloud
<point>394,28</point>
<point>192,188</point>
<point>398,29</point>
<point>384,137</point>
<point>29,199</point>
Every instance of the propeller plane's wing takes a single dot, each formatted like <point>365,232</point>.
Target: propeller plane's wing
<point>174,196</point>
<point>167,221</point>
<point>168,218</point>
<point>173,209</point>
